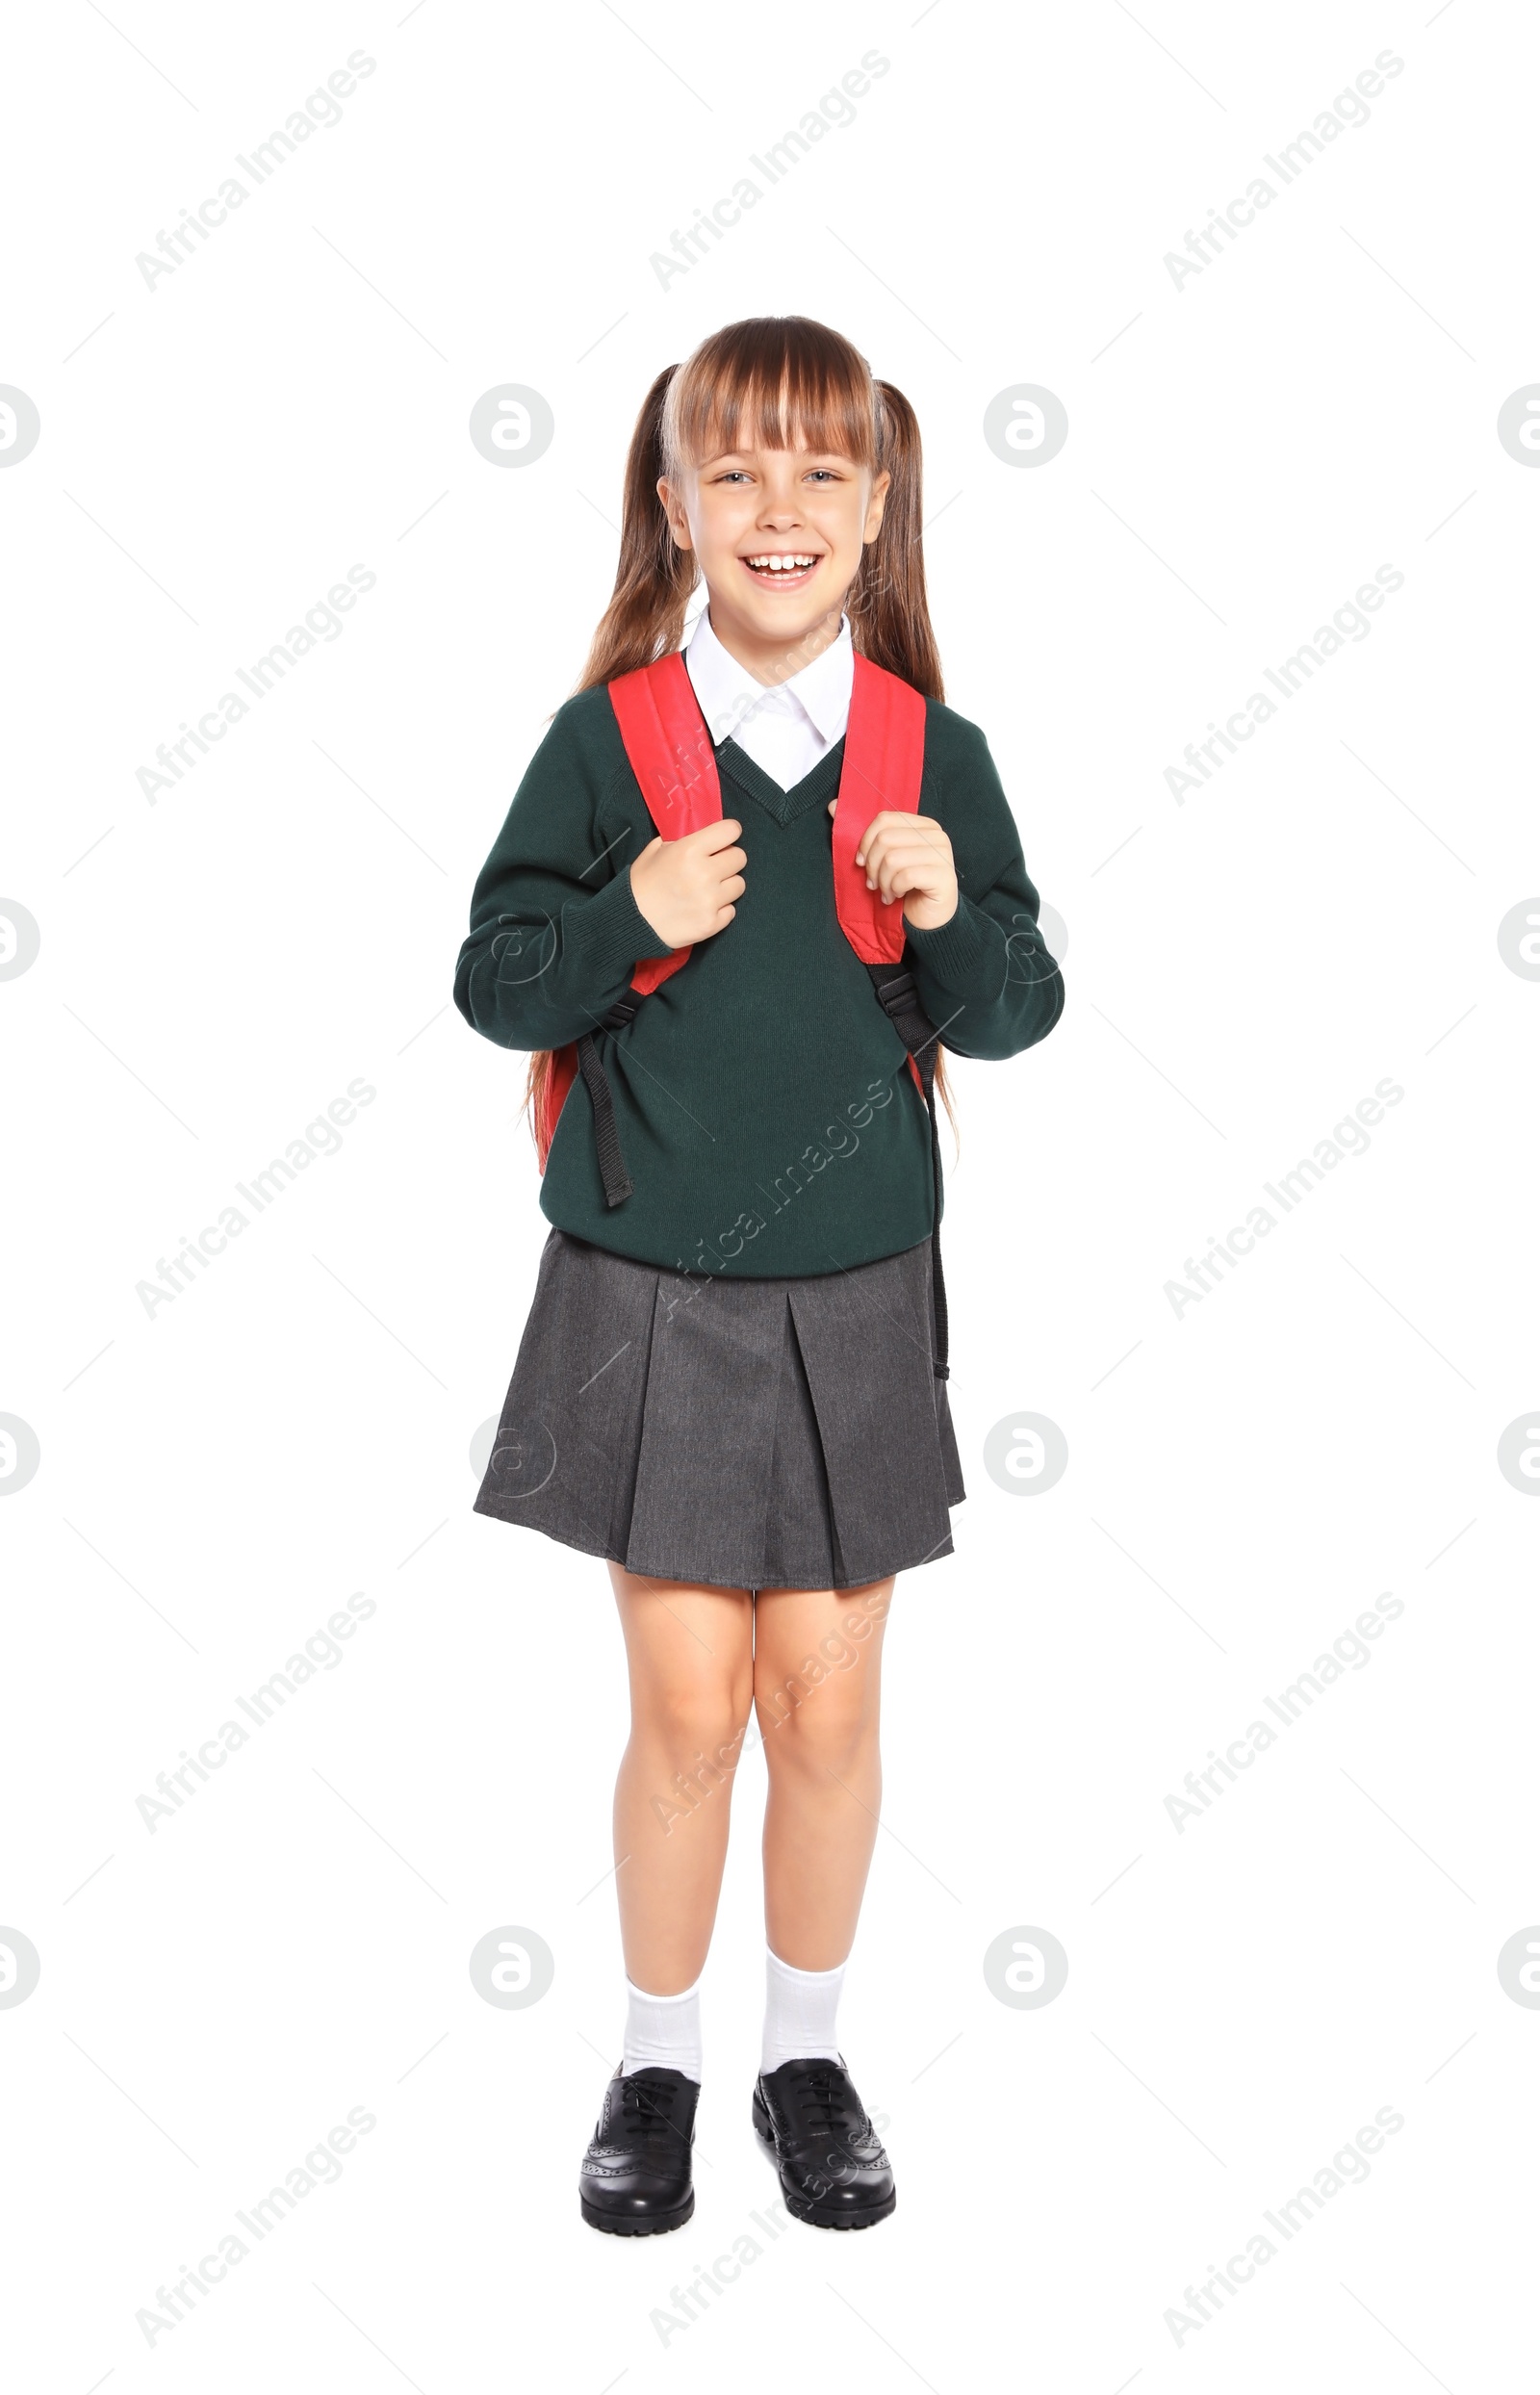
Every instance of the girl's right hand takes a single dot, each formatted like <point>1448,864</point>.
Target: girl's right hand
<point>685,888</point>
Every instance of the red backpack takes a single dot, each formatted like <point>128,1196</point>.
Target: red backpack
<point>669,747</point>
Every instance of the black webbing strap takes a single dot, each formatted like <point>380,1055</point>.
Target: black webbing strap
<point>618,1183</point>
<point>901,1003</point>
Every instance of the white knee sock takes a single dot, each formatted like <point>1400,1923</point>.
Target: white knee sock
<point>799,2012</point>
<point>663,2032</point>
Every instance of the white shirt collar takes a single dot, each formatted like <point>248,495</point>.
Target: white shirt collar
<point>729,693</point>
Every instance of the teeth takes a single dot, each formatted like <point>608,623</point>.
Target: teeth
<point>782,565</point>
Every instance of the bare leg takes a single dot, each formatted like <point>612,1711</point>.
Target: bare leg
<point>816,1683</point>
<point>691,1661</point>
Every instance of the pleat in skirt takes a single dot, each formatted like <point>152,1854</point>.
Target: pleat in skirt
<point>782,1433</point>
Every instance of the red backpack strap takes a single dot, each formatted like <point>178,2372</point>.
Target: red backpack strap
<point>562,1074</point>
<point>669,750</point>
<point>669,746</point>
<point>884,764</point>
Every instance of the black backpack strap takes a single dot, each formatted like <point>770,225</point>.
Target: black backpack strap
<point>894,985</point>
<point>618,1183</point>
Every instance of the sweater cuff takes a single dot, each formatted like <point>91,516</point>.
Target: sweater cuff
<point>607,935</point>
<point>951,954</point>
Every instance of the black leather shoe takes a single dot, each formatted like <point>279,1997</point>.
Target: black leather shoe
<point>635,2176</point>
<point>833,2171</point>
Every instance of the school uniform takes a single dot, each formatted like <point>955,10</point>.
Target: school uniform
<point>730,1377</point>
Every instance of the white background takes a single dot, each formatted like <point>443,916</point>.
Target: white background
<point>1243,1479</point>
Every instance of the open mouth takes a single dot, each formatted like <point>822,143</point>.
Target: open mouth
<point>786,568</point>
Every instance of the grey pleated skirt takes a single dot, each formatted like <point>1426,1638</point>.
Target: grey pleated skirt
<point>783,1433</point>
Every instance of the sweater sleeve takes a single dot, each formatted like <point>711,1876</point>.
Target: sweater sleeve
<point>555,931</point>
<point>984,976</point>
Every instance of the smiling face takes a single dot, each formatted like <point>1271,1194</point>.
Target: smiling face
<point>777,534</point>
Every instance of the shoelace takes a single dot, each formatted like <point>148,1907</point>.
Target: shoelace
<point>647,2113</point>
<point>824,2111</point>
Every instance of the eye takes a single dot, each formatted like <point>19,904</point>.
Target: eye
<point>822,474</point>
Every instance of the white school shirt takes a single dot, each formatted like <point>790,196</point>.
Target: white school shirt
<point>784,727</point>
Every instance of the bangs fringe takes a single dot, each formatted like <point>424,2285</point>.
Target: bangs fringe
<point>772,382</point>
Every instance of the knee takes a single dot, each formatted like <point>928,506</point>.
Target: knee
<point>702,1720</point>
<point>816,1729</point>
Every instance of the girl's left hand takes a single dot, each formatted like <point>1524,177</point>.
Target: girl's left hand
<point>910,857</point>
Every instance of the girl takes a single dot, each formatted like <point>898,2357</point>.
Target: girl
<point>742,896</point>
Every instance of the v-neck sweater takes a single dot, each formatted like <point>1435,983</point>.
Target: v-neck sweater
<point>764,1100</point>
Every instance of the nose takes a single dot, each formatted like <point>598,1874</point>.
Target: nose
<point>781,505</point>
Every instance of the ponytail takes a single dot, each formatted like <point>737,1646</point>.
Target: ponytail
<point>645,618</point>
<point>890,619</point>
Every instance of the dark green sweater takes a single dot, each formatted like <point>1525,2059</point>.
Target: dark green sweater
<point>764,1103</point>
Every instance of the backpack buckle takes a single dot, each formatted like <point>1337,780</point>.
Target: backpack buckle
<point>898,995</point>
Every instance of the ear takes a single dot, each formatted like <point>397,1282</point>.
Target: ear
<point>874,507</point>
<point>678,523</point>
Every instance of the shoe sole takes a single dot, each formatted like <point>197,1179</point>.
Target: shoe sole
<point>807,2207</point>
<point>636,2225</point>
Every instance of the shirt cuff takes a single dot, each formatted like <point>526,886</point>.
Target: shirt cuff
<point>607,934</point>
